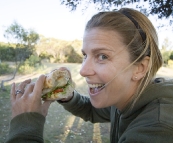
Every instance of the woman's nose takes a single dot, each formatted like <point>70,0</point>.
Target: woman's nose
<point>87,68</point>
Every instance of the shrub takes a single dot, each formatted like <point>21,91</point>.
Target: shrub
<point>26,69</point>
<point>170,63</point>
<point>171,55</point>
<point>7,53</point>
<point>68,55</point>
<point>45,55</point>
<point>29,65</point>
<point>5,69</point>
<point>33,61</point>
<point>74,58</point>
<point>165,55</point>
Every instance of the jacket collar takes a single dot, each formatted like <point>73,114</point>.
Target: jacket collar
<point>159,88</point>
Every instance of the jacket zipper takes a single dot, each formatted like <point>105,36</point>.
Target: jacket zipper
<point>116,127</point>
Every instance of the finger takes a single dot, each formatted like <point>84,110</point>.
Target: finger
<point>21,87</point>
<point>39,86</point>
<point>45,107</point>
<point>29,89</point>
<point>12,92</point>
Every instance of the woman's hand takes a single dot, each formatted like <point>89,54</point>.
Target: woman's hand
<point>27,97</point>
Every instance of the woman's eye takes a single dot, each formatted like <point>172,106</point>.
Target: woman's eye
<point>84,56</point>
<point>102,57</point>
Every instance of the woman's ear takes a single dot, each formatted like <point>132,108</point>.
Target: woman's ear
<point>141,69</point>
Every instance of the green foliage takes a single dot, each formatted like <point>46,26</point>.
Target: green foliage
<point>59,50</point>
<point>48,48</point>
<point>33,61</point>
<point>30,65</point>
<point>74,57</point>
<point>16,33</point>
<point>5,69</point>
<point>69,55</point>
<point>32,37</point>
<point>45,55</point>
<point>26,69</point>
<point>171,55</point>
<point>165,55</point>
<point>7,53</point>
<point>166,51</point>
<point>162,8</point>
<point>22,53</point>
<point>170,63</point>
<point>24,40</point>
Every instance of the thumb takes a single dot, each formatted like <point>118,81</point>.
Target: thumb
<point>39,86</point>
<point>45,107</point>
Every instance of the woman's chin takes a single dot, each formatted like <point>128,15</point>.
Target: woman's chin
<point>97,103</point>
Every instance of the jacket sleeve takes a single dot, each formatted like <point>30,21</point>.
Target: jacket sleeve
<point>81,106</point>
<point>158,133</point>
<point>26,128</point>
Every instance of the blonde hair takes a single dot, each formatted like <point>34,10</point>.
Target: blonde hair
<point>137,33</point>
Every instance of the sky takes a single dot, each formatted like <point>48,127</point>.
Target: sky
<point>51,19</point>
<point>47,17</point>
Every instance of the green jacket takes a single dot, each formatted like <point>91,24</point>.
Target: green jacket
<point>149,121</point>
<point>26,128</point>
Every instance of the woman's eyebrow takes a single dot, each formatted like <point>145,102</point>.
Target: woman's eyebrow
<point>96,50</point>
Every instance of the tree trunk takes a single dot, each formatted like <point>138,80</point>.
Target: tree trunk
<point>6,80</point>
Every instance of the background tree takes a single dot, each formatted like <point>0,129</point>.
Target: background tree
<point>24,41</point>
<point>166,50</point>
<point>162,8</point>
<point>56,50</point>
<point>171,55</point>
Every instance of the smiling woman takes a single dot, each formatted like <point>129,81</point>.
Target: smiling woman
<point>121,58</point>
<point>99,43</point>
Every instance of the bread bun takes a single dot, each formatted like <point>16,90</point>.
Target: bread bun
<point>57,85</point>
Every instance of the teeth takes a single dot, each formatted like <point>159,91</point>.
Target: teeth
<point>95,85</point>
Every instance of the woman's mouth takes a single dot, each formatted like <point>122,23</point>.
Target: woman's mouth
<point>95,88</point>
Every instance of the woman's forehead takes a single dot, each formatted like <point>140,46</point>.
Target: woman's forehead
<point>101,31</point>
<point>102,39</point>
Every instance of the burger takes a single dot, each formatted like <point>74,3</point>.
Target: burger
<point>57,85</point>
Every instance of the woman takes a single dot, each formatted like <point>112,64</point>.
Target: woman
<point>121,58</point>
